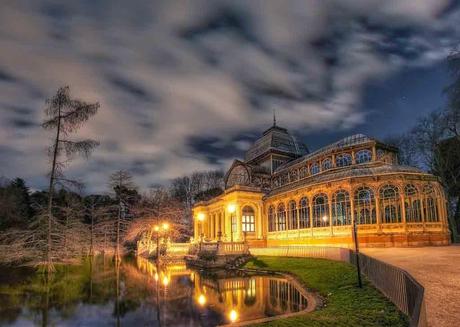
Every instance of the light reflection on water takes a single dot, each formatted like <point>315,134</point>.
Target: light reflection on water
<point>139,293</point>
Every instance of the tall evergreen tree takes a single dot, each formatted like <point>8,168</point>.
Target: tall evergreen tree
<point>64,116</point>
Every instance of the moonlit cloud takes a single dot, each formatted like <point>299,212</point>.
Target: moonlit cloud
<point>186,86</point>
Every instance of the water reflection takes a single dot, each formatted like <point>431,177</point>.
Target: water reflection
<point>139,292</point>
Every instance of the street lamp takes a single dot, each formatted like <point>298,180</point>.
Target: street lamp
<point>201,217</point>
<point>202,300</point>
<point>233,315</point>
<point>355,239</point>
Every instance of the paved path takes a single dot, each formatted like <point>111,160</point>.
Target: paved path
<point>438,270</point>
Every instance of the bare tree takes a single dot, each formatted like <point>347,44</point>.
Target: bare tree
<point>186,188</point>
<point>121,182</point>
<point>158,206</point>
<point>64,116</point>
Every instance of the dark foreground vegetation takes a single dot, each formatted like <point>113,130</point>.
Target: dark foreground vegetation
<point>345,303</point>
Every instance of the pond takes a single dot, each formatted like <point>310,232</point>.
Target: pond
<point>137,292</point>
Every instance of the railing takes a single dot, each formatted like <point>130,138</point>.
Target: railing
<point>223,248</point>
<point>331,253</point>
<point>395,283</point>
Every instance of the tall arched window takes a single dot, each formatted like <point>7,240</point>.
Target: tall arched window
<point>292,224</point>
<point>363,156</point>
<point>304,213</point>
<point>327,164</point>
<point>281,215</point>
<point>248,220</point>
<point>341,208</point>
<point>343,160</point>
<point>314,169</point>
<point>365,206</point>
<point>390,204</point>
<point>430,208</point>
<point>320,210</point>
<point>412,204</point>
<point>271,219</point>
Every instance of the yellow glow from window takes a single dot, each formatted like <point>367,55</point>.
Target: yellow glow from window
<point>200,216</point>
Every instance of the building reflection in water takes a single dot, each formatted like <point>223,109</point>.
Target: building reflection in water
<point>225,299</point>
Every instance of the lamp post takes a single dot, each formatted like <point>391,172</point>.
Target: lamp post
<point>355,239</point>
<point>231,209</point>
<point>200,223</point>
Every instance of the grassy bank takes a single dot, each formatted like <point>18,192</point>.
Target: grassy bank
<point>345,303</point>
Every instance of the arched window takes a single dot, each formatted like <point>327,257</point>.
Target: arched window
<point>248,220</point>
<point>304,213</point>
<point>390,204</point>
<point>365,206</point>
<point>412,204</point>
<point>327,164</point>
<point>363,156</point>
<point>271,219</point>
<point>341,208</point>
<point>281,217</point>
<point>292,224</point>
<point>320,211</point>
<point>343,160</point>
<point>314,169</point>
<point>430,208</point>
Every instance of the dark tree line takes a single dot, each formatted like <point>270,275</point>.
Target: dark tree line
<point>434,144</point>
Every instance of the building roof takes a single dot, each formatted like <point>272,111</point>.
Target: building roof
<point>363,170</point>
<point>348,141</point>
<point>276,139</point>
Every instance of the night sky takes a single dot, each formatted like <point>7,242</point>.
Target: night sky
<point>187,85</point>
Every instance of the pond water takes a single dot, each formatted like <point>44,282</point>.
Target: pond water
<point>137,292</point>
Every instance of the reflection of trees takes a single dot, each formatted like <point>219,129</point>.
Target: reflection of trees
<point>90,283</point>
<point>168,293</point>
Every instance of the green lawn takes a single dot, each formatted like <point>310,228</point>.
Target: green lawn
<point>345,303</point>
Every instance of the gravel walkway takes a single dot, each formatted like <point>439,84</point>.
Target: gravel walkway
<point>438,270</point>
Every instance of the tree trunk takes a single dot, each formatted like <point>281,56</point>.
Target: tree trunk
<point>91,234</point>
<point>118,220</point>
<point>51,191</point>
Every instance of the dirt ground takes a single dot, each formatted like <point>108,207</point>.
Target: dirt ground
<point>438,270</point>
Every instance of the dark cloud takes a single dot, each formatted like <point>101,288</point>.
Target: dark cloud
<point>188,85</point>
<point>22,123</point>
<point>130,87</point>
<point>6,77</point>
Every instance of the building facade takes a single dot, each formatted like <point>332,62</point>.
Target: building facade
<point>281,194</point>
